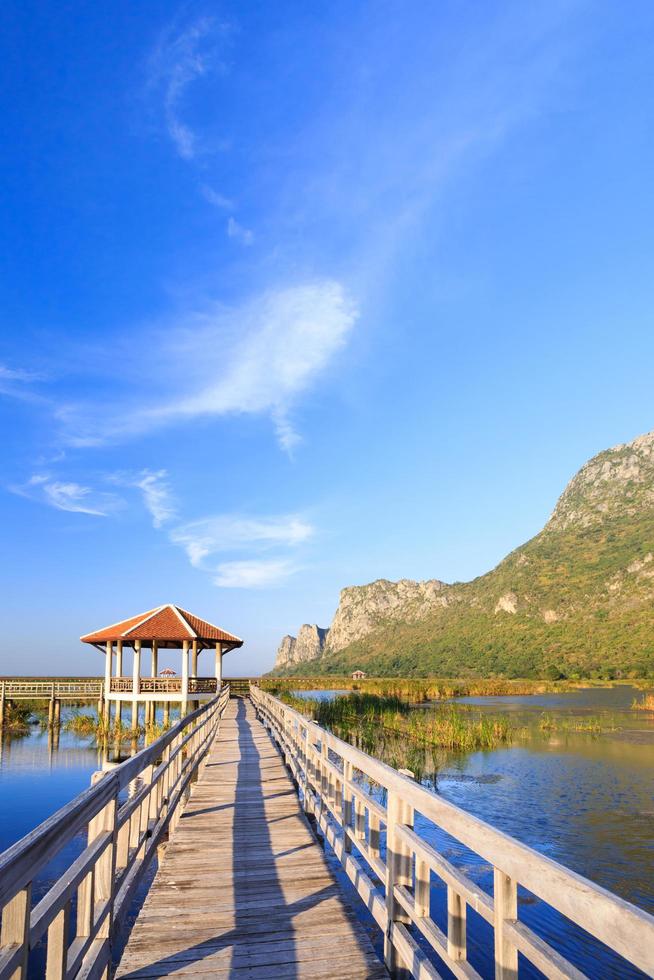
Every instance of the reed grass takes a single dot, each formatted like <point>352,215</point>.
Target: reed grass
<point>425,689</point>
<point>646,703</point>
<point>449,727</point>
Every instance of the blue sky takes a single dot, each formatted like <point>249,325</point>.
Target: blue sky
<point>296,296</point>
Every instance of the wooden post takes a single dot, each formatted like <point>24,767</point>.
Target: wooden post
<point>15,928</point>
<point>166,713</point>
<point>184,704</point>
<point>399,872</point>
<point>456,922</point>
<point>57,713</point>
<point>219,665</point>
<point>505,898</point>
<point>136,685</point>
<point>51,704</point>
<point>347,805</point>
<point>104,873</point>
<point>2,704</point>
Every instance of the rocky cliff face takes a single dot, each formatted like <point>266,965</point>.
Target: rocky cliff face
<point>307,645</point>
<point>617,481</point>
<point>578,597</point>
<point>362,608</point>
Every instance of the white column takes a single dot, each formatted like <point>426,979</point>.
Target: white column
<point>108,663</point>
<point>194,659</point>
<point>118,710</point>
<point>184,708</point>
<point>136,679</point>
<point>155,660</point>
<point>219,665</point>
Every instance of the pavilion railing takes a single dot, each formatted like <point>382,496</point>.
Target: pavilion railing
<point>124,814</point>
<point>163,685</point>
<point>393,866</point>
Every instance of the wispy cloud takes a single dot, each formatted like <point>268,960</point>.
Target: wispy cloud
<point>257,574</point>
<point>157,495</point>
<point>19,383</point>
<point>239,233</point>
<point>257,358</point>
<point>204,539</point>
<point>227,532</point>
<point>69,496</point>
<point>216,199</point>
<point>181,58</point>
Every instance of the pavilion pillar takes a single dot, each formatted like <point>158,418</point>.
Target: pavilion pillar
<point>136,684</point>
<point>108,664</point>
<point>194,669</point>
<point>184,704</point>
<point>151,706</point>
<point>118,717</point>
<point>219,666</point>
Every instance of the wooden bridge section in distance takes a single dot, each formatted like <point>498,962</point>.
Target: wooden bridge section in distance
<point>245,889</point>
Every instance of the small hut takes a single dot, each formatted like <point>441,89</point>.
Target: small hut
<point>358,675</point>
<point>164,628</point>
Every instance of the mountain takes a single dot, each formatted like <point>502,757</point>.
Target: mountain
<point>577,600</point>
<point>308,645</point>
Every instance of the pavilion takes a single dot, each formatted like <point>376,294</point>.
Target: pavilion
<point>164,628</point>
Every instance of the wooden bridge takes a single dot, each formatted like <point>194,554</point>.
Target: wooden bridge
<point>244,889</point>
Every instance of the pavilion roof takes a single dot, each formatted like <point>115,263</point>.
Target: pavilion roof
<point>167,626</point>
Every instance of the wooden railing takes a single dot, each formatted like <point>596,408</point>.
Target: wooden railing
<point>164,685</point>
<point>122,836</point>
<point>389,849</point>
<point>60,690</point>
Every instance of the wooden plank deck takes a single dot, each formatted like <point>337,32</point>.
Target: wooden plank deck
<point>245,890</point>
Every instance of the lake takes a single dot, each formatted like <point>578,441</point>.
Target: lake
<point>585,800</point>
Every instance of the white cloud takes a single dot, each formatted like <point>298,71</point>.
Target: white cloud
<point>157,495</point>
<point>181,58</point>
<point>212,535</point>
<point>216,199</point>
<point>239,233</point>
<point>69,496</point>
<point>18,383</point>
<point>256,574</point>
<point>257,358</point>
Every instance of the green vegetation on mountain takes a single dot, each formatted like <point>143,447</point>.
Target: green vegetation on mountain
<point>575,601</point>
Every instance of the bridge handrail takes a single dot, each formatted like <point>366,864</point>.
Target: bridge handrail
<point>350,817</point>
<point>49,688</point>
<point>122,837</point>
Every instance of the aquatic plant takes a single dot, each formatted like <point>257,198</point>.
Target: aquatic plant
<point>424,689</point>
<point>646,703</point>
<point>447,726</point>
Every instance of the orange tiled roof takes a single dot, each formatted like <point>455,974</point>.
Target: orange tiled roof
<point>166,625</point>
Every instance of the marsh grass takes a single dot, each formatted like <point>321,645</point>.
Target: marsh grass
<point>428,689</point>
<point>447,726</point>
<point>591,723</point>
<point>646,703</point>
<point>90,725</point>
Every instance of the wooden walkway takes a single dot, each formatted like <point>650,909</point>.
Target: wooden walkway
<point>245,890</point>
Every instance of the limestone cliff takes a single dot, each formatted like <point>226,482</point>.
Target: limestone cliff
<point>362,608</point>
<point>307,645</point>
